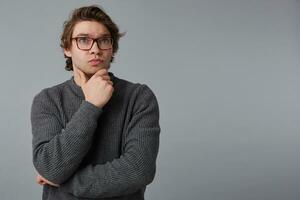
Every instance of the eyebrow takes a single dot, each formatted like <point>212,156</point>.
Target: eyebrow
<point>88,35</point>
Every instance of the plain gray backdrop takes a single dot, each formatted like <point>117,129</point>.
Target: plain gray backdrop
<point>226,75</point>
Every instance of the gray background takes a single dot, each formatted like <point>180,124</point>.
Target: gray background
<point>226,74</point>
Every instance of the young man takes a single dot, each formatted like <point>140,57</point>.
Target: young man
<point>95,136</point>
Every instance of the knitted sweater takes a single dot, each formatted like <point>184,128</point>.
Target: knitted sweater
<point>91,152</point>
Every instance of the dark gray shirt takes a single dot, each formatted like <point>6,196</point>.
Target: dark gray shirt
<point>95,153</point>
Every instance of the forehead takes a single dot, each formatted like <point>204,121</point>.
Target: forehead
<point>91,28</point>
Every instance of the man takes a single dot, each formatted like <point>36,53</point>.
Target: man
<point>95,136</point>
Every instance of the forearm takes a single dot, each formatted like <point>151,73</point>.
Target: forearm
<point>132,171</point>
<point>57,155</point>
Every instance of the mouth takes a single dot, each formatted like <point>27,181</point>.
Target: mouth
<point>95,62</point>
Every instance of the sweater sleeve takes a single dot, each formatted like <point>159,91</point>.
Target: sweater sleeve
<point>58,150</point>
<point>135,168</point>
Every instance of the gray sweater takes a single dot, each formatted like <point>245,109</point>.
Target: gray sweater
<point>95,153</point>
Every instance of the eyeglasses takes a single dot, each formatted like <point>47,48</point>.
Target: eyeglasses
<point>86,43</point>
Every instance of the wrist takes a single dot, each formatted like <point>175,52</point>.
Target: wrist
<point>95,104</point>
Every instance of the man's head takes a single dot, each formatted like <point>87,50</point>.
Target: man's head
<point>89,40</point>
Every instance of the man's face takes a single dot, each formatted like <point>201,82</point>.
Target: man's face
<point>89,61</point>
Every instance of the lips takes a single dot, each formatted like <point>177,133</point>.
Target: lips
<point>95,61</point>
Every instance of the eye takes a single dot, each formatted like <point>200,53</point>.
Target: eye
<point>105,40</point>
<point>84,40</point>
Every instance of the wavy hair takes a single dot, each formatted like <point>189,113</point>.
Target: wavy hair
<point>88,13</point>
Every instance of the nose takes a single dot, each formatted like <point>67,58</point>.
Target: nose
<point>95,48</point>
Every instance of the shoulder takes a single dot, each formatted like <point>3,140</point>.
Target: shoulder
<point>135,91</point>
<point>50,94</point>
<point>140,97</point>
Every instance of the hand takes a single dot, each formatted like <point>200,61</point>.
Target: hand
<point>42,181</point>
<point>98,89</point>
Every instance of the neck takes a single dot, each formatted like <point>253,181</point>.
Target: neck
<point>77,78</point>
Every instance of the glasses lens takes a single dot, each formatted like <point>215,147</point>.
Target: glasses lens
<point>104,43</point>
<point>84,43</point>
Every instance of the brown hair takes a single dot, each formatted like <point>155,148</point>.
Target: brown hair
<point>89,13</point>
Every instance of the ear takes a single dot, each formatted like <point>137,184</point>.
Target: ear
<point>67,53</point>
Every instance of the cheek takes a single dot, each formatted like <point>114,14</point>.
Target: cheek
<point>108,54</point>
<point>79,60</point>
<point>107,57</point>
<point>80,56</point>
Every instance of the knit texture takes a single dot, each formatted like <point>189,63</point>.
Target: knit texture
<point>91,152</point>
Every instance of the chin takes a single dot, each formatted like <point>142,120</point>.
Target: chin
<point>100,67</point>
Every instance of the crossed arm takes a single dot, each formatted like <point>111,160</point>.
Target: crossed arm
<point>134,169</point>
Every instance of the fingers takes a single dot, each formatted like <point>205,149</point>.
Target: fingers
<point>106,78</point>
<point>101,72</point>
<point>39,180</point>
<point>110,82</point>
<point>42,181</point>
